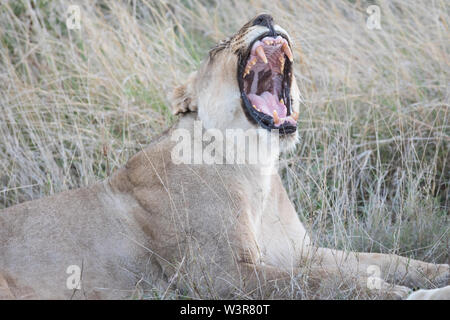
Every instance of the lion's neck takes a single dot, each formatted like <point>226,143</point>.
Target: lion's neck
<point>198,145</point>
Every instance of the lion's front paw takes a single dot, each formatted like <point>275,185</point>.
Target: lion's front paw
<point>401,292</point>
<point>438,274</point>
<point>428,275</point>
<point>441,275</point>
<point>394,292</point>
<point>398,292</point>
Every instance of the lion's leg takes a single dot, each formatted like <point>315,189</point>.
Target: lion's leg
<point>269,281</point>
<point>387,266</point>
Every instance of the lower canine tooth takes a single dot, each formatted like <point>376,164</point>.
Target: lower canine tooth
<point>276,119</point>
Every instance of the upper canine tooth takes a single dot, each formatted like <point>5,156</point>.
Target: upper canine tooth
<point>261,54</point>
<point>287,51</point>
<point>276,119</point>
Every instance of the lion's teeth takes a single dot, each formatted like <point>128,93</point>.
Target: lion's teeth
<point>287,51</point>
<point>249,66</point>
<point>256,108</point>
<point>281,64</point>
<point>281,101</point>
<point>276,119</point>
<point>295,115</point>
<point>261,54</point>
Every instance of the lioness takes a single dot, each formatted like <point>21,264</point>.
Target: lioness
<point>207,230</point>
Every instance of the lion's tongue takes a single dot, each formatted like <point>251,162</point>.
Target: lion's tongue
<point>267,103</point>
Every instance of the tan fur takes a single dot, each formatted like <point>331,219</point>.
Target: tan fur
<point>207,230</point>
<point>432,294</point>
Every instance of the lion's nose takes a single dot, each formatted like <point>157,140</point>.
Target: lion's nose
<point>265,20</point>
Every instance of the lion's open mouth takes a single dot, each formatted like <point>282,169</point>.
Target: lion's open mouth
<point>265,75</point>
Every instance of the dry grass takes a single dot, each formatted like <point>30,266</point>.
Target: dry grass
<point>372,170</point>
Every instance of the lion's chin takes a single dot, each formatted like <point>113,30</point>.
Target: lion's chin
<point>265,77</point>
<point>288,142</point>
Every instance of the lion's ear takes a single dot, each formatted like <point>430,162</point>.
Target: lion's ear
<point>183,97</point>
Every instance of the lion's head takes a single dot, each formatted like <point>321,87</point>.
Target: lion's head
<point>247,81</point>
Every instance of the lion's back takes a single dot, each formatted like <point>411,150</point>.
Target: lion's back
<point>41,239</point>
